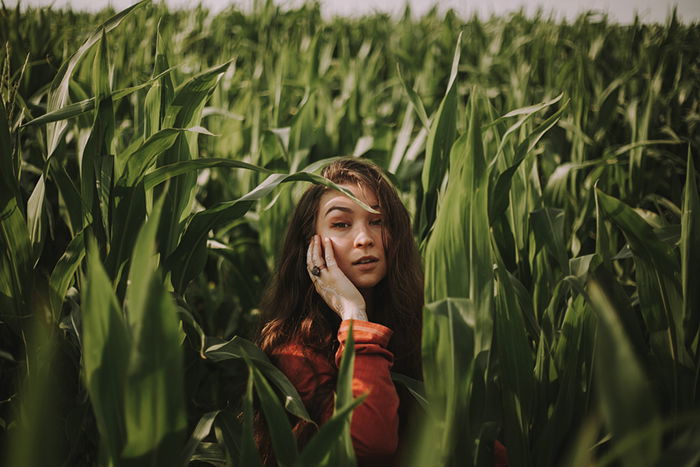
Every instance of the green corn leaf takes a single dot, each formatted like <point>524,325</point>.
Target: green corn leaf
<point>458,252</point>
<point>526,111</point>
<point>63,272</point>
<point>524,300</point>
<point>228,430</point>
<point>15,240</point>
<point>188,318</point>
<point>129,215</point>
<point>581,266</point>
<point>499,196</point>
<point>154,401</point>
<point>240,348</point>
<point>437,150</point>
<point>210,453</point>
<point>104,181</point>
<point>248,450</point>
<point>403,139</point>
<point>457,325</point>
<point>567,356</point>
<point>604,247</point>
<point>414,99</point>
<point>638,145</point>
<point>9,176</point>
<point>343,453</point>
<point>70,195</point>
<point>302,132</point>
<point>622,385</point>
<point>632,322</point>
<point>166,172</point>
<point>86,105</point>
<point>548,226</point>
<point>448,348</point>
<point>682,452</point>
<point>316,452</point>
<point>246,266</point>
<point>36,222</point>
<point>524,148</point>
<point>690,254</point>
<point>516,364</point>
<point>184,112</point>
<point>64,113</point>
<point>59,89</point>
<point>581,453</point>
<point>105,351</point>
<point>283,441</point>
<point>200,432</point>
<point>41,417</point>
<point>447,275</point>
<point>160,95</point>
<point>657,280</point>
<point>96,166</point>
<point>414,386</point>
<point>190,97</point>
<point>134,164</point>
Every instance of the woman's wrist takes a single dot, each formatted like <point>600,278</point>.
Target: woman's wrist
<point>353,312</point>
<point>351,309</point>
<point>360,315</point>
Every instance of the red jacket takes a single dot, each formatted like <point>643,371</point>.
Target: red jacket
<point>375,423</point>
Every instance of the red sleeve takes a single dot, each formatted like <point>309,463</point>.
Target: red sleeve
<point>374,425</point>
<point>500,454</point>
<point>308,371</point>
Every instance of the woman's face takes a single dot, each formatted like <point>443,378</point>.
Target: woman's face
<point>356,235</point>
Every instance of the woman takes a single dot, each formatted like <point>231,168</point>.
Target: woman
<point>339,263</point>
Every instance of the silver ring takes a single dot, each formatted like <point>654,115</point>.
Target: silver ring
<point>316,271</point>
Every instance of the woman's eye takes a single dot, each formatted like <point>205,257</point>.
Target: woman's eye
<point>376,222</point>
<point>340,225</point>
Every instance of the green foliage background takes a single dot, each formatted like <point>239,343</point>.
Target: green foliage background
<point>147,161</point>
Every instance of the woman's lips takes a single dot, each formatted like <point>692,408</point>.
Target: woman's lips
<point>366,266</point>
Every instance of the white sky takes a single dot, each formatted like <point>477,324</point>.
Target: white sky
<point>621,10</point>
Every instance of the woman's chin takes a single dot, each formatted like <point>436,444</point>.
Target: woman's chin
<point>364,283</point>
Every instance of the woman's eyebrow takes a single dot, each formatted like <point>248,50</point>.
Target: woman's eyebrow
<point>346,209</point>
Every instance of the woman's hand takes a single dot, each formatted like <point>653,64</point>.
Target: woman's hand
<point>331,283</point>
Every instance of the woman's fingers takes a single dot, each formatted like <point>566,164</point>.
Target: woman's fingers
<point>314,258</point>
<point>316,253</point>
<point>308,255</point>
<point>309,260</point>
<point>328,252</point>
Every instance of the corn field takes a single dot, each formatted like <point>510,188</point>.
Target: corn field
<point>149,160</point>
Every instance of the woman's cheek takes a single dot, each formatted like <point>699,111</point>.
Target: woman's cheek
<point>340,249</point>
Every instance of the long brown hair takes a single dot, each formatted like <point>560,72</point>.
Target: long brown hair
<point>294,313</point>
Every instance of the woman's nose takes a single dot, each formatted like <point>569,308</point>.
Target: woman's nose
<point>364,237</point>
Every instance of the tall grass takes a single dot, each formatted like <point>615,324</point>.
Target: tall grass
<point>148,161</point>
